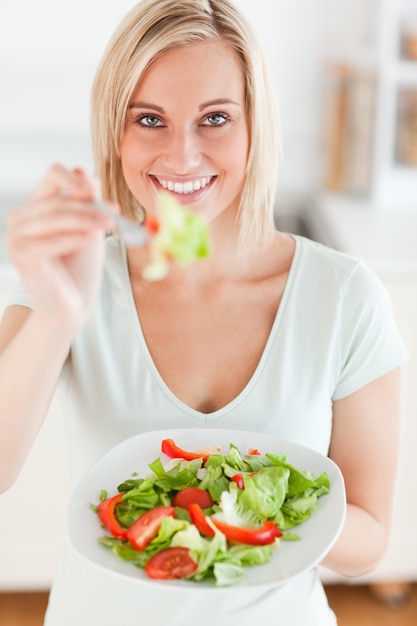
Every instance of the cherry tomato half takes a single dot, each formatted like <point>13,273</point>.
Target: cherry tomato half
<point>146,527</point>
<point>191,495</point>
<point>171,563</point>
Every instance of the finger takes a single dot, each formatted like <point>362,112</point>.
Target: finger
<point>27,257</point>
<point>56,225</point>
<point>57,213</point>
<point>58,178</point>
<point>91,181</point>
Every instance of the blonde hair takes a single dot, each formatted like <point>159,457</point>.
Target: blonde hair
<point>150,28</point>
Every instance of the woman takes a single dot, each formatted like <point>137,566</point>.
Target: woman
<point>272,333</point>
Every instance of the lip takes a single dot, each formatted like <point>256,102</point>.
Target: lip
<point>184,198</point>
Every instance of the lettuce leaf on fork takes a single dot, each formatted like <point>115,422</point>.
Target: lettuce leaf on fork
<point>180,236</point>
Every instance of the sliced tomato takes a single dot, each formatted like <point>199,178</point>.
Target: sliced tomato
<point>171,563</point>
<point>107,514</point>
<point>187,496</point>
<point>265,534</point>
<point>170,448</point>
<point>146,527</point>
<point>254,451</point>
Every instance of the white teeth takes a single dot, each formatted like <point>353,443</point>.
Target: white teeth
<point>187,187</point>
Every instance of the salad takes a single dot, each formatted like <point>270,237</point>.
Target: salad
<point>207,515</point>
<point>176,234</point>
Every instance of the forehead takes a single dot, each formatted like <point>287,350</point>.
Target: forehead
<point>206,69</point>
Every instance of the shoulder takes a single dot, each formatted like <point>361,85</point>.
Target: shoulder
<point>318,255</point>
<point>331,267</point>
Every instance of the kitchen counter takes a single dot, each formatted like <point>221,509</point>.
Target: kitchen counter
<point>386,240</point>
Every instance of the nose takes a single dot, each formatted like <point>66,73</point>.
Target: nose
<point>182,152</point>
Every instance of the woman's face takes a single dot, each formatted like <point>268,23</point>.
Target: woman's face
<point>186,130</point>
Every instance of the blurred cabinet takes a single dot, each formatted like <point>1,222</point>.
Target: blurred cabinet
<point>33,512</point>
<point>371,108</point>
<point>395,184</point>
<point>377,220</point>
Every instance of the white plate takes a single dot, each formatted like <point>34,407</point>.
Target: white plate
<point>291,558</point>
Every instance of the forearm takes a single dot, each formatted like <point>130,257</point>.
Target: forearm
<point>360,546</point>
<point>30,366</point>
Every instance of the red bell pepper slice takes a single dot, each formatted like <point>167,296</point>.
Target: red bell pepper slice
<point>107,515</point>
<point>265,534</point>
<point>170,448</point>
<point>239,480</point>
<point>199,519</point>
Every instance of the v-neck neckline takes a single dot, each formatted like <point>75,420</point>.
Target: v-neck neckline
<point>229,406</point>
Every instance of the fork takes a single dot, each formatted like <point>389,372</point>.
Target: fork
<point>132,233</point>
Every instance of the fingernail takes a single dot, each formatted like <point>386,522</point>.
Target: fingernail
<point>83,176</point>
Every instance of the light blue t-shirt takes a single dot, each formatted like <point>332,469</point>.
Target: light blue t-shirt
<point>334,332</point>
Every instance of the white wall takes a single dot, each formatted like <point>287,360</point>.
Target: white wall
<point>49,51</point>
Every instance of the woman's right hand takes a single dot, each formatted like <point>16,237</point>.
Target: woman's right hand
<point>56,241</point>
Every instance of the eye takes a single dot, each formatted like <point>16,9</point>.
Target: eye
<point>148,120</point>
<point>215,119</point>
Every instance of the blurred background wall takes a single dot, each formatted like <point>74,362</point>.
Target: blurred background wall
<point>345,74</point>
<point>49,52</point>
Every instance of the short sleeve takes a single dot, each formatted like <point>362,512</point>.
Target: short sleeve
<point>370,343</point>
<point>19,295</point>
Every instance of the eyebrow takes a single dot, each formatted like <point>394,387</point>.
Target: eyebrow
<point>217,101</point>
<point>204,105</point>
<point>146,105</point>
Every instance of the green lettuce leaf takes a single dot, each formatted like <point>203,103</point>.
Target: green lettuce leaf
<point>252,555</point>
<point>263,495</point>
<point>227,574</point>
<point>180,476</point>
<point>182,236</point>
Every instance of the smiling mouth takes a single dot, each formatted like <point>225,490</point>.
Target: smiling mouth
<point>187,187</point>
